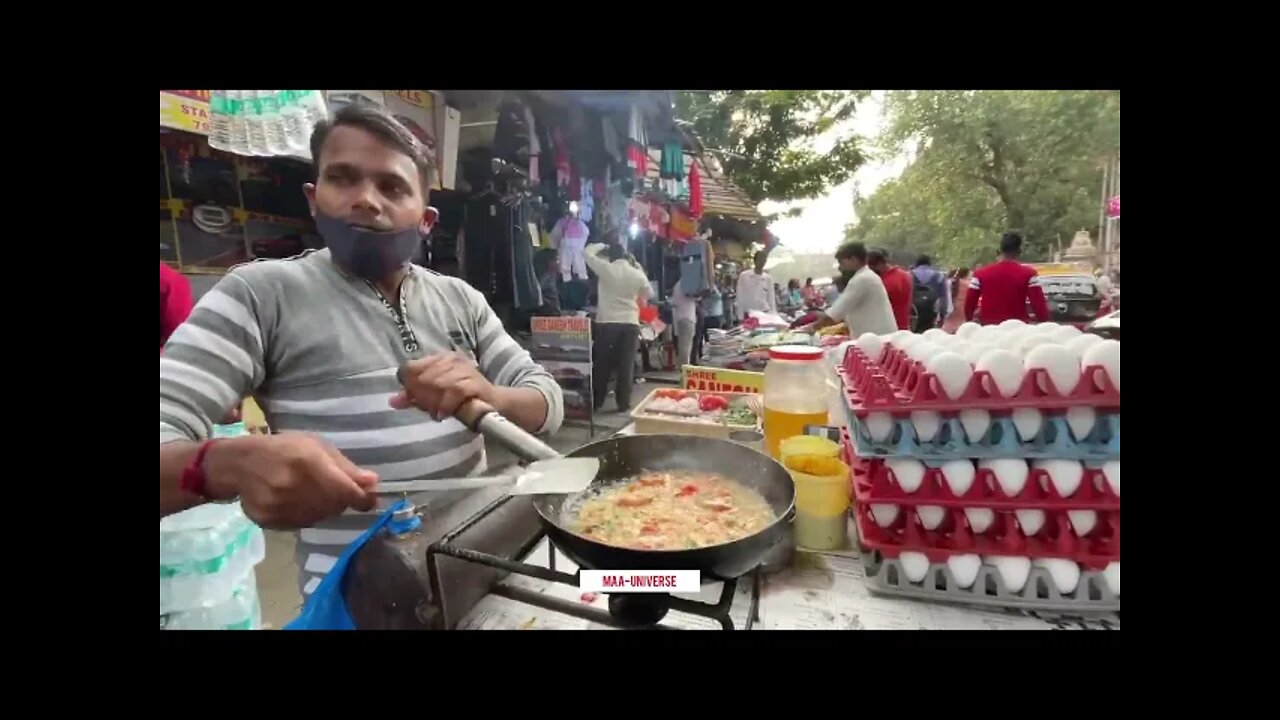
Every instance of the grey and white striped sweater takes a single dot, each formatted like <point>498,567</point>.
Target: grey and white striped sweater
<point>319,351</point>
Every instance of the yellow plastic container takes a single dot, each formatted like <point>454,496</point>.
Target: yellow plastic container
<point>808,445</point>
<point>822,500</point>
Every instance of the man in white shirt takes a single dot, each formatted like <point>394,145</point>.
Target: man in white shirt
<point>755,289</point>
<point>685,317</point>
<point>863,306</point>
<point>616,332</point>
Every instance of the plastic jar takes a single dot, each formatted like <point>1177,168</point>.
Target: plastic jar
<point>795,393</point>
<point>822,500</point>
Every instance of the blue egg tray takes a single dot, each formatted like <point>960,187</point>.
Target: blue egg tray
<point>1001,440</point>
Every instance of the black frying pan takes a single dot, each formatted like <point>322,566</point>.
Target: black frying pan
<point>625,456</point>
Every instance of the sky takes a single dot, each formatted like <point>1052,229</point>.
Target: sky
<point>820,228</point>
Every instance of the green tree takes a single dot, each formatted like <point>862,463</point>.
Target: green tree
<point>986,161</point>
<point>764,139</point>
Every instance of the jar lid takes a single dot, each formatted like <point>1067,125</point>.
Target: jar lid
<point>795,352</point>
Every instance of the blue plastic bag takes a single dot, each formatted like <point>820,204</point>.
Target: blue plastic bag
<point>326,609</point>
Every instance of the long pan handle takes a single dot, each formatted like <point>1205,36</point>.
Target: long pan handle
<point>482,418</point>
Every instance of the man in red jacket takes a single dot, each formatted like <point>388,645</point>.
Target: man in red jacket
<point>897,283</point>
<point>1003,289</point>
<point>175,301</point>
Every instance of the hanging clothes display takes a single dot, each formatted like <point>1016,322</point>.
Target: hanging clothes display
<point>694,257</point>
<point>528,291</point>
<point>637,143</point>
<point>511,137</point>
<point>609,137</point>
<point>695,191</point>
<point>571,235</point>
<point>563,168</point>
<point>586,202</point>
<point>535,145</point>
<point>575,183</point>
<point>683,226</point>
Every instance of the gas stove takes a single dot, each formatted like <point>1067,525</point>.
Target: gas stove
<point>541,591</point>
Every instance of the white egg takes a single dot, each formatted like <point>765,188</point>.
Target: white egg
<point>935,334</point>
<point>927,424</point>
<point>964,569</point>
<point>870,344</point>
<point>974,352</point>
<point>1065,475</point>
<point>922,351</point>
<point>1081,343</point>
<point>879,426</point>
<point>1005,369</point>
<point>1043,329</point>
<point>1065,333</point>
<point>1013,570</point>
<point>1111,471</point>
<point>914,565</point>
<point>1011,473</point>
<point>967,329</point>
<point>958,346</point>
<point>1030,520</point>
<point>1111,576</point>
<point>1081,421</point>
<point>975,424</point>
<point>931,516</point>
<point>958,474</point>
<point>898,335</point>
<point>1012,323</point>
<point>980,519</point>
<point>1062,366</point>
<point>1065,573</point>
<point>1023,347</point>
<point>909,473</point>
<point>906,342</point>
<point>1028,422</point>
<point>1083,521</point>
<point>1106,354</point>
<point>884,513</point>
<point>953,372</point>
<point>1010,339</point>
<point>986,334</point>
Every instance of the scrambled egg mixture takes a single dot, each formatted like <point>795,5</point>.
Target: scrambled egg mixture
<point>673,511</point>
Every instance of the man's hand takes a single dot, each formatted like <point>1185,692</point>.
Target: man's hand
<point>287,481</point>
<point>440,384</point>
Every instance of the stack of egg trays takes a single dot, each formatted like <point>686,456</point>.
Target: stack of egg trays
<point>901,386</point>
<point>873,482</point>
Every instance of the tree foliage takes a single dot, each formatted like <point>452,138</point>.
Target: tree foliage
<point>987,161</point>
<point>764,139</point>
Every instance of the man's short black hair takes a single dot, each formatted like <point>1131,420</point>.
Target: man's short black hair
<point>876,255</point>
<point>375,120</point>
<point>852,250</point>
<point>760,255</point>
<point>1011,243</point>
<point>923,260</point>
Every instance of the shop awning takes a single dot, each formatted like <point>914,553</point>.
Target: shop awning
<point>720,197</point>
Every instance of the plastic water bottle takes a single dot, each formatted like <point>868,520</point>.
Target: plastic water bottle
<point>240,611</point>
<point>255,123</point>
<point>236,122</point>
<point>205,554</point>
<point>219,121</point>
<point>272,122</point>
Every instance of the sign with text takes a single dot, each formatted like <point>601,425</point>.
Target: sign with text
<point>562,345</point>
<point>640,581</point>
<point>697,377</point>
<point>185,110</point>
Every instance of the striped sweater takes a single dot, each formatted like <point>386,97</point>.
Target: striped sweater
<point>319,350</point>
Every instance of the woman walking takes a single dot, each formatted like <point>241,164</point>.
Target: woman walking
<point>959,289</point>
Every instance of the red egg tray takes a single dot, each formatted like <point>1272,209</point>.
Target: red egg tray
<point>954,537</point>
<point>899,385</point>
<point>873,481</point>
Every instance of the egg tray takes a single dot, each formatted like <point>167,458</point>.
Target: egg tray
<point>900,385</point>
<point>886,577</point>
<point>874,481</point>
<point>954,536</point>
<point>1054,441</point>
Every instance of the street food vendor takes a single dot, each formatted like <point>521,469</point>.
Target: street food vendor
<point>318,338</point>
<point>863,305</point>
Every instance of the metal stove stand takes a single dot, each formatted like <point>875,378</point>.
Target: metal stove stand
<point>445,546</point>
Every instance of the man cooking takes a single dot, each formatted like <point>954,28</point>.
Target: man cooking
<point>318,338</point>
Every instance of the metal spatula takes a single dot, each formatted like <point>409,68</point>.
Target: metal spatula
<point>544,477</point>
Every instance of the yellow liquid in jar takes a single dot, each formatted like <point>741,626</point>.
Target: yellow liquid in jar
<point>780,425</point>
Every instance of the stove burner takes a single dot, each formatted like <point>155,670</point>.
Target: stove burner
<point>626,610</point>
<point>636,610</point>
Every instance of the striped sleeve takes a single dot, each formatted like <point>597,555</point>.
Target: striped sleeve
<point>503,362</point>
<point>211,362</point>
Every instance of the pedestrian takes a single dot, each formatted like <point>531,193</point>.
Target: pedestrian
<point>319,340</point>
<point>1001,291</point>
<point>897,283</point>
<point>685,317</point>
<point>929,294</point>
<point>616,331</point>
<point>957,290</point>
<point>175,302</point>
<point>863,305</point>
<point>809,293</point>
<point>755,292</point>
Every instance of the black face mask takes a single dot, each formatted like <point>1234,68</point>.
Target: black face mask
<point>846,274</point>
<point>364,253</point>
